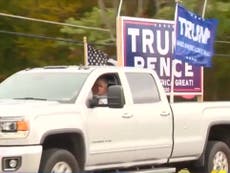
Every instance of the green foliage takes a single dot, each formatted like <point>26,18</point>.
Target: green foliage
<point>92,19</point>
<point>19,52</point>
<point>166,13</point>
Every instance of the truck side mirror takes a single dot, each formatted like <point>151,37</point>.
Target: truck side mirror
<point>93,102</point>
<point>116,97</point>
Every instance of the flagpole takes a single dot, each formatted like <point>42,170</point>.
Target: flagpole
<point>119,35</point>
<point>172,64</point>
<point>119,8</point>
<point>204,8</point>
<point>85,50</point>
<point>201,97</point>
<point>202,68</point>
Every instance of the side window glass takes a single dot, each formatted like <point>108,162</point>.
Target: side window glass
<point>143,87</point>
<point>100,88</point>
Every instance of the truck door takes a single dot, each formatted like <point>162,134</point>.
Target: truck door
<point>153,128</point>
<point>110,135</point>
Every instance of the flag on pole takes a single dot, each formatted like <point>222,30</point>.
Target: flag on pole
<point>96,57</point>
<point>195,37</point>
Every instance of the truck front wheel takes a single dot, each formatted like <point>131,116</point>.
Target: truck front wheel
<point>58,161</point>
<point>217,158</point>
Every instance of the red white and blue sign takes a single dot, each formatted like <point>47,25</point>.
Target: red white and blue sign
<point>195,37</point>
<point>148,43</point>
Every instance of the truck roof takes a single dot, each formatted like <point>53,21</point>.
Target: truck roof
<point>87,69</point>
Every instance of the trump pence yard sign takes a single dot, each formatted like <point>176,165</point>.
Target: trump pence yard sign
<point>148,43</point>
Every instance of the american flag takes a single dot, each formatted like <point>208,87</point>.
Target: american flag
<point>96,57</point>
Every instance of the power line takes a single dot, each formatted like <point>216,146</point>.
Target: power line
<point>36,36</point>
<point>50,38</point>
<point>72,25</point>
<point>223,55</point>
<point>71,40</point>
<point>222,41</point>
<point>55,23</point>
<point>40,37</point>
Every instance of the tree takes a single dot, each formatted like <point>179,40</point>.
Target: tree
<point>105,39</point>
<point>21,52</point>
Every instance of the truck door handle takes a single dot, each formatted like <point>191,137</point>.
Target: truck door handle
<point>164,114</point>
<point>127,115</point>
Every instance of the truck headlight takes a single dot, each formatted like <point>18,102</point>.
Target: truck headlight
<point>9,126</point>
<point>13,127</point>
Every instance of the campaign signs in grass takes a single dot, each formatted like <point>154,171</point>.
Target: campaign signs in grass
<point>148,43</point>
<point>194,37</point>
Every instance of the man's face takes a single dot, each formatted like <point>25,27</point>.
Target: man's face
<point>100,87</point>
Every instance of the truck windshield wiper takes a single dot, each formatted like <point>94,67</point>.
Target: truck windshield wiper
<point>30,98</point>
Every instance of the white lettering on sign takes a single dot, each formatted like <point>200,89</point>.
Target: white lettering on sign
<point>134,33</point>
<point>166,82</point>
<point>183,82</point>
<point>165,50</point>
<point>161,40</point>
<point>188,70</point>
<point>147,40</point>
<point>193,31</point>
<point>193,48</point>
<point>165,66</point>
<point>140,62</point>
<point>177,73</point>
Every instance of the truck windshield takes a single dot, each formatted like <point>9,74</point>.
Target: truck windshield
<point>57,86</point>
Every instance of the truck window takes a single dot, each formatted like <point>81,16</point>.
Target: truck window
<point>143,87</point>
<point>100,87</point>
<point>57,86</point>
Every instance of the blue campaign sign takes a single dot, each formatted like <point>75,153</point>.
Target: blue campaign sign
<point>148,43</point>
<point>194,38</point>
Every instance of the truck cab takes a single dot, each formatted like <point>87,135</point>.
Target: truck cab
<point>125,133</point>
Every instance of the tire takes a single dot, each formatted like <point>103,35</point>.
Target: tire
<point>58,161</point>
<point>217,157</point>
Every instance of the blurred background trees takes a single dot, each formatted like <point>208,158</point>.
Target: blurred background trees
<point>26,43</point>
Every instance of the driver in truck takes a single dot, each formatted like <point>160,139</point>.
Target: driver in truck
<point>100,89</point>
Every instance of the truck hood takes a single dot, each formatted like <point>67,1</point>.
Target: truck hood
<point>31,107</point>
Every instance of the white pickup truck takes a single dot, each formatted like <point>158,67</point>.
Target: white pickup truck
<point>49,122</point>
